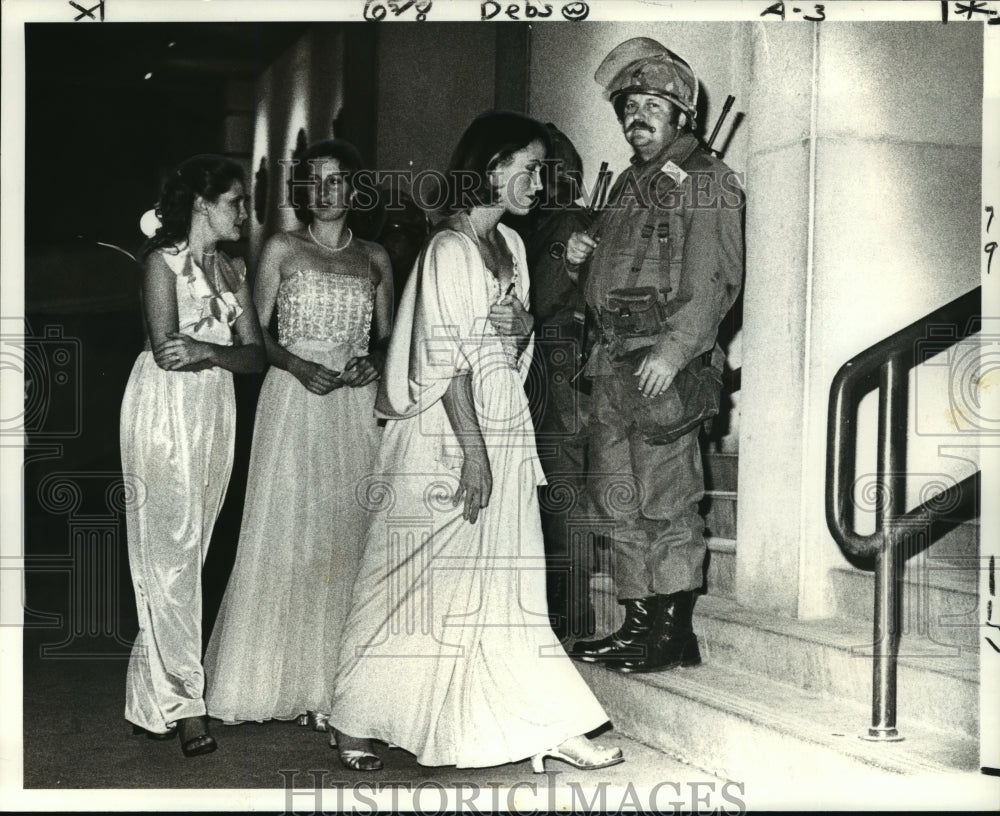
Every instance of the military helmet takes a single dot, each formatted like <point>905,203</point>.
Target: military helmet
<point>642,65</point>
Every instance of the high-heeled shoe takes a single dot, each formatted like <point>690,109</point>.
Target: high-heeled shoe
<point>170,733</point>
<point>580,753</point>
<point>313,719</point>
<point>201,742</point>
<point>354,759</point>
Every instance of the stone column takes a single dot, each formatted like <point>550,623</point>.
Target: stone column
<point>863,216</point>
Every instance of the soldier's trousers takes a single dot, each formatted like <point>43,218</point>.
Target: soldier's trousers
<point>651,494</point>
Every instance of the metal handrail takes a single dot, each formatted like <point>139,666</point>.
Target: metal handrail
<point>886,366</point>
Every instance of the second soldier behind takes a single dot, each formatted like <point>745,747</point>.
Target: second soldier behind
<point>561,403</point>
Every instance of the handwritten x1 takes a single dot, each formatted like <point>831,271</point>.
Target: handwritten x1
<point>85,12</point>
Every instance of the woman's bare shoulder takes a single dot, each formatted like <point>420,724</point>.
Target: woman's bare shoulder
<point>376,252</point>
<point>282,242</point>
<point>282,249</point>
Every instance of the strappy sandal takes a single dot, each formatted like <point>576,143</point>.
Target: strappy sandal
<point>352,758</point>
<point>314,720</point>
<point>355,760</point>
<point>580,753</point>
<point>203,743</point>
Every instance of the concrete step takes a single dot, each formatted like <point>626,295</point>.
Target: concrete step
<point>938,686</point>
<point>740,726</point>
<point>721,471</point>
<point>721,483</point>
<point>938,683</point>
<point>721,577</point>
<point>719,509</point>
<point>959,543</point>
<point>939,598</point>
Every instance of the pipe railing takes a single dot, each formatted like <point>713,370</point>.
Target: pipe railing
<point>886,366</point>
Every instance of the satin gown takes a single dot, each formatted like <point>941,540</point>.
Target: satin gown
<point>177,432</point>
<point>274,648</point>
<point>448,652</point>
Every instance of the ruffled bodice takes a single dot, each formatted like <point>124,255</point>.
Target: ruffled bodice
<point>206,309</point>
<point>325,307</point>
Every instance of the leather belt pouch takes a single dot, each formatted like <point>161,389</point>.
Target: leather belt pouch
<point>634,312</point>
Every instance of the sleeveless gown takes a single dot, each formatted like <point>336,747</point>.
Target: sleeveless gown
<point>177,431</point>
<point>275,644</point>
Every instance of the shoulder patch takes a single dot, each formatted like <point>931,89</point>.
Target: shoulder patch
<point>673,171</point>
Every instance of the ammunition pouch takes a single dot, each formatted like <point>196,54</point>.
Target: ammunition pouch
<point>634,312</point>
<point>690,400</point>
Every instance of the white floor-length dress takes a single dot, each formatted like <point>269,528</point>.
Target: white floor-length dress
<point>274,647</point>
<point>448,652</point>
<point>177,431</point>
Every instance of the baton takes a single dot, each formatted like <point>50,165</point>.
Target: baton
<point>596,202</point>
<point>718,124</point>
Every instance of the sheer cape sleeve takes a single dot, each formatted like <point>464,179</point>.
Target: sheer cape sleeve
<point>436,335</point>
<point>442,327</point>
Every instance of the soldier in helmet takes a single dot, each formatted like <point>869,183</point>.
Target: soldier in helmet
<point>663,264</point>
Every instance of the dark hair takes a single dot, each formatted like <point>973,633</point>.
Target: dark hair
<point>205,175</point>
<point>305,193</point>
<point>491,139</point>
<point>564,168</point>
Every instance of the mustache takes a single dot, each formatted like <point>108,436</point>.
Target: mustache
<point>637,125</point>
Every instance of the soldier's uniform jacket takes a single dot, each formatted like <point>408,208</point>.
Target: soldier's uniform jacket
<point>673,223</point>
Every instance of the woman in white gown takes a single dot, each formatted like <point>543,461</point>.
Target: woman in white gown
<point>448,651</point>
<point>178,421</point>
<point>274,648</point>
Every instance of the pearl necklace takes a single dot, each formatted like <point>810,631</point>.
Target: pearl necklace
<point>350,237</point>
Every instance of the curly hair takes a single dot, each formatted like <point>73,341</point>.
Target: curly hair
<point>205,175</point>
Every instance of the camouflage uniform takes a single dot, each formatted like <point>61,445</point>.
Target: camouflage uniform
<point>694,257</point>
<point>673,224</point>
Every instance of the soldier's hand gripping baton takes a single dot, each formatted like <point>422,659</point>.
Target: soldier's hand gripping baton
<point>584,318</point>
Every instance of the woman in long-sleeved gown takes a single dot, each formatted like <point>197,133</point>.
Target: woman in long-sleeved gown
<point>448,651</point>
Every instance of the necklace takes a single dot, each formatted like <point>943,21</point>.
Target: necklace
<point>509,345</point>
<point>350,237</point>
<point>479,246</point>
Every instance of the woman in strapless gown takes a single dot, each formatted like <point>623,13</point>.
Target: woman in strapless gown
<point>274,648</point>
<point>178,421</point>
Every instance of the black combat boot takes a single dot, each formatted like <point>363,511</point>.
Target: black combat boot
<point>630,641</point>
<point>673,641</point>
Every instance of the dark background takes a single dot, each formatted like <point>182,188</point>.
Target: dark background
<point>98,139</point>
